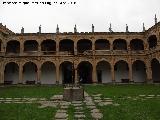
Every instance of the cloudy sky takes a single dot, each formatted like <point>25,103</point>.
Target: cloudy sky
<point>83,14</point>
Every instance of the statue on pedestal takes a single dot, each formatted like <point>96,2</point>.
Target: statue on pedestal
<point>127,28</point>
<point>92,28</point>
<point>155,18</point>
<point>22,30</point>
<point>57,29</point>
<point>75,29</point>
<point>40,29</point>
<point>143,28</point>
<point>110,28</point>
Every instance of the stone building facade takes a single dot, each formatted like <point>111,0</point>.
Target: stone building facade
<point>88,57</point>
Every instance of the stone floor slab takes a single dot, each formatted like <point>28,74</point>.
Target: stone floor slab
<point>76,102</point>
<point>61,115</point>
<point>97,95</point>
<point>79,116</point>
<point>95,111</point>
<point>91,107</point>
<point>62,111</point>
<point>97,98</point>
<point>64,107</point>
<point>76,105</point>
<point>97,115</point>
<point>105,103</point>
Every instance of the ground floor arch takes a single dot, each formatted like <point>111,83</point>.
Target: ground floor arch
<point>66,72</point>
<point>139,71</point>
<point>103,70</point>
<point>85,72</point>
<point>155,65</point>
<point>121,70</point>
<point>11,73</point>
<point>29,73</point>
<point>48,73</point>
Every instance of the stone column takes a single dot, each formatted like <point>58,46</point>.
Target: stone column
<point>57,73</point>
<point>21,49</point>
<point>4,48</point>
<point>76,76</point>
<point>149,74</point>
<point>130,72</point>
<point>57,48</point>
<point>38,74</point>
<point>158,41</point>
<point>128,46</point>
<point>112,73</point>
<point>93,47</point>
<point>20,81</point>
<point>2,74</point>
<point>111,46</point>
<point>146,45</point>
<point>39,49</point>
<point>94,74</point>
<point>75,48</point>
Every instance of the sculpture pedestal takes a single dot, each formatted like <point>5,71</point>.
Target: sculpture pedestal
<point>73,94</point>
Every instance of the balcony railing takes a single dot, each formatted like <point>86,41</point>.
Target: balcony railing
<point>138,51</point>
<point>66,53</point>
<point>30,53</point>
<point>1,53</point>
<point>85,53</point>
<point>12,53</point>
<point>103,52</point>
<point>120,52</point>
<point>47,53</point>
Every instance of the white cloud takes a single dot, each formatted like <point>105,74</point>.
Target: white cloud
<point>84,13</point>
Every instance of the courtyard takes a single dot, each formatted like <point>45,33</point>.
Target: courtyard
<point>101,102</point>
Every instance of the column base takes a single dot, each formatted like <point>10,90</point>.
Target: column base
<point>113,82</point>
<point>57,82</point>
<point>38,82</point>
<point>131,82</point>
<point>149,81</point>
<point>20,83</point>
<point>1,84</point>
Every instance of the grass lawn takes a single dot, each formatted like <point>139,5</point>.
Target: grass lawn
<point>131,106</point>
<point>25,112</point>
<point>129,109</point>
<point>30,91</point>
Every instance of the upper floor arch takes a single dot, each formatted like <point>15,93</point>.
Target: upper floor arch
<point>30,45</point>
<point>102,44</point>
<point>83,45</point>
<point>137,44</point>
<point>66,45</point>
<point>152,41</point>
<point>48,46</point>
<point>119,44</point>
<point>13,46</point>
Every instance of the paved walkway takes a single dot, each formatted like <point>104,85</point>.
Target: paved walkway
<point>89,102</point>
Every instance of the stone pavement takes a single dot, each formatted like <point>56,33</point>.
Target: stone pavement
<point>89,102</point>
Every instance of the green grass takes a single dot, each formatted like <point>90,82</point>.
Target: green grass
<point>128,109</point>
<point>25,112</point>
<point>123,90</point>
<point>30,91</point>
<point>70,112</point>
